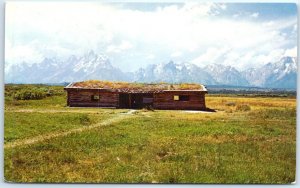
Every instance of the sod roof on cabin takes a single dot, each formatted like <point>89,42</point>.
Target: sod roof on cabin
<point>135,87</point>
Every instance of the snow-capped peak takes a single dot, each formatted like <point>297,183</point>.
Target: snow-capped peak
<point>90,61</point>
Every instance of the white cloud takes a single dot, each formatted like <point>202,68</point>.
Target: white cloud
<point>254,15</point>
<point>273,55</point>
<point>235,15</point>
<point>24,53</point>
<point>150,56</point>
<point>291,52</point>
<point>193,32</point>
<point>242,59</point>
<point>176,54</point>
<point>124,45</point>
<point>212,55</point>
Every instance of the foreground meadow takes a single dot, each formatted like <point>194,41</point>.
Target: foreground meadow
<point>248,140</point>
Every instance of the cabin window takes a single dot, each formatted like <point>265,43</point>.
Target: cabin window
<point>176,97</point>
<point>95,97</point>
<point>184,97</point>
<point>181,98</point>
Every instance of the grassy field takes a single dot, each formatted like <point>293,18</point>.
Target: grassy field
<point>248,140</point>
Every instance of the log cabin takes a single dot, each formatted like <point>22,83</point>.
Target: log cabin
<point>95,93</point>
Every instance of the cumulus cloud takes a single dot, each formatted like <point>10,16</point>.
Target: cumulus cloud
<point>291,52</point>
<point>194,32</point>
<point>212,55</point>
<point>22,53</point>
<point>150,56</point>
<point>124,45</point>
<point>254,15</point>
<point>176,54</point>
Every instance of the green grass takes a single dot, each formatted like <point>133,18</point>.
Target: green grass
<point>257,145</point>
<point>55,102</point>
<point>20,125</point>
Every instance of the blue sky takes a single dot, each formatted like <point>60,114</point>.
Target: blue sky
<point>134,35</point>
<point>266,10</point>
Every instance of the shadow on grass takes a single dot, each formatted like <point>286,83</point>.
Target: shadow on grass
<point>210,110</point>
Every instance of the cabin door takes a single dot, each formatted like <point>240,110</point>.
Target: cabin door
<point>141,100</point>
<point>124,100</point>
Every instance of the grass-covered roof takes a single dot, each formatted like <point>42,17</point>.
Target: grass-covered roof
<point>135,87</point>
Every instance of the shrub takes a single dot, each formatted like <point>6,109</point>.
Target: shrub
<point>32,91</point>
<point>243,107</point>
<point>29,95</point>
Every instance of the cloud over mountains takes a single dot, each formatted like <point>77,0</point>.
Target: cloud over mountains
<point>136,35</point>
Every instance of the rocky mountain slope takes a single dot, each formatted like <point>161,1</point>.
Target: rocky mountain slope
<point>280,74</point>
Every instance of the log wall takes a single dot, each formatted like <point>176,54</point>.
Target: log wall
<point>83,99</point>
<point>166,100</point>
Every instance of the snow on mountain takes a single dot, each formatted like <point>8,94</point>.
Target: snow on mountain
<point>226,75</point>
<point>89,66</point>
<point>280,74</point>
<point>91,61</point>
<point>173,73</point>
<point>34,73</point>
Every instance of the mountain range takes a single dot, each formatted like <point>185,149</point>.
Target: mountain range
<point>279,74</point>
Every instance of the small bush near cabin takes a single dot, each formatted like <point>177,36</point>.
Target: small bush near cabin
<point>31,92</point>
<point>29,95</point>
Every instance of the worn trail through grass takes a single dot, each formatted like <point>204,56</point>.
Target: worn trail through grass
<point>41,138</point>
<point>70,110</point>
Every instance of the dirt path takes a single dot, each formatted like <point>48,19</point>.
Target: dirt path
<point>48,136</point>
<point>93,111</point>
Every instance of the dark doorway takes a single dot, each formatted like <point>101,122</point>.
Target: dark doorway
<point>135,100</point>
<point>141,100</point>
<point>124,100</point>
